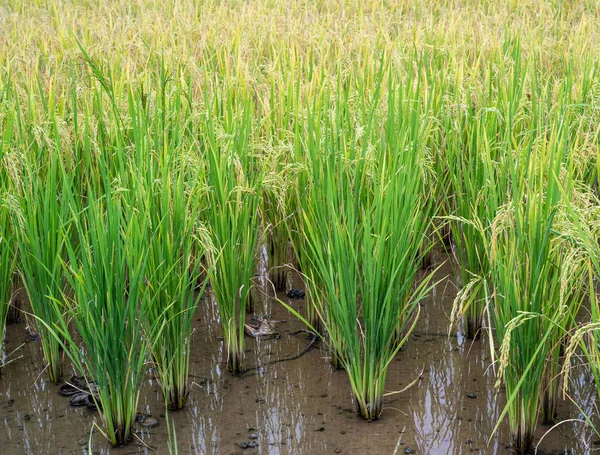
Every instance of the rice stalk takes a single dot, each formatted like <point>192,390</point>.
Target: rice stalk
<point>7,266</point>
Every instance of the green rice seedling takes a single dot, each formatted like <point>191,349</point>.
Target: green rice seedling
<point>538,283</point>
<point>367,213</point>
<point>41,244</point>
<point>107,264</point>
<point>233,201</point>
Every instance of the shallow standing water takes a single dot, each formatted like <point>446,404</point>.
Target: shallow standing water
<point>301,406</point>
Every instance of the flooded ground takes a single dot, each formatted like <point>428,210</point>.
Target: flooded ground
<point>302,406</point>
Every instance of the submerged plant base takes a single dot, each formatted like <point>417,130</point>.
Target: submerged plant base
<point>279,279</point>
<point>234,362</point>
<point>177,398</point>
<point>549,405</point>
<point>473,327</point>
<point>13,316</point>
<point>278,245</point>
<point>522,441</point>
<point>370,410</point>
<point>54,367</point>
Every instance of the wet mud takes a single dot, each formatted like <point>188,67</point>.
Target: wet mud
<point>302,406</point>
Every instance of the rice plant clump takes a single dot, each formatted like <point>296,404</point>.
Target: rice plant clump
<point>166,191</point>
<point>539,283</point>
<point>45,214</point>
<point>7,268</point>
<point>106,269</point>
<point>232,217</point>
<point>365,220</point>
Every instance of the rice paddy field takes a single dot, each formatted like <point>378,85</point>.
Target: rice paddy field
<point>297,227</point>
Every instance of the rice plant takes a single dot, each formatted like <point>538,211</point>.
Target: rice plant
<point>41,244</point>
<point>274,214</point>
<point>7,266</point>
<point>479,140</point>
<point>233,201</point>
<point>106,269</point>
<point>583,229</point>
<point>365,221</point>
<point>175,248</point>
<point>538,278</point>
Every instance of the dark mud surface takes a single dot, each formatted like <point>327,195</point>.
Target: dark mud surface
<point>303,406</point>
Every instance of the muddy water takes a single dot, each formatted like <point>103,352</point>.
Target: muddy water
<point>301,406</point>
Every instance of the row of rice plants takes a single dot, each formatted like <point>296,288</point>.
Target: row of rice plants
<point>116,247</point>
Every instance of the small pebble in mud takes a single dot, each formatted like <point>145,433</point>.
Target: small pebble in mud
<point>321,429</point>
<point>251,429</point>
<point>252,444</point>
<point>342,432</point>
<point>244,445</point>
<point>409,450</point>
<point>471,395</point>
<point>150,422</point>
<point>253,436</point>
<point>338,450</point>
<point>11,402</point>
<point>27,417</point>
<point>469,441</point>
<point>324,395</point>
<point>295,294</point>
<point>260,400</point>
